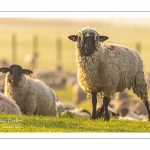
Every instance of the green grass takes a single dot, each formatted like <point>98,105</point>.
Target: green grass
<point>14,123</point>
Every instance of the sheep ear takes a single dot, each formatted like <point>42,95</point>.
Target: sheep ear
<point>103,38</point>
<point>73,37</point>
<point>26,71</point>
<point>4,70</point>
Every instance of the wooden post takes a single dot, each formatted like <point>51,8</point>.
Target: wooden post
<point>35,52</point>
<point>138,47</point>
<point>35,44</point>
<point>14,48</point>
<point>59,51</point>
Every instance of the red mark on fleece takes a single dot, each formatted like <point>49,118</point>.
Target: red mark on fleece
<point>109,47</point>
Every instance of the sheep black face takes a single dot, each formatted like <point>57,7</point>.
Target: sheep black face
<point>87,43</point>
<point>88,46</point>
<point>15,73</point>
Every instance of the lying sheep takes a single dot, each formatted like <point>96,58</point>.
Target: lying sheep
<point>32,96</point>
<point>78,94</point>
<point>64,106</point>
<point>7,105</point>
<point>107,69</point>
<point>124,101</point>
<point>77,112</point>
<point>127,114</point>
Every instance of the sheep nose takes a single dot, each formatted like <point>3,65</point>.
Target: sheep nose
<point>88,46</point>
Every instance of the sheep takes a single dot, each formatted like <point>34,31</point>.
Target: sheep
<point>107,69</point>
<point>8,105</point>
<point>124,101</point>
<point>64,106</point>
<point>127,114</point>
<point>30,60</point>
<point>76,112</point>
<point>78,94</point>
<point>31,95</point>
<point>53,78</point>
<point>3,63</point>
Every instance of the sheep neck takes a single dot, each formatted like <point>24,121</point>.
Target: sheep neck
<point>89,67</point>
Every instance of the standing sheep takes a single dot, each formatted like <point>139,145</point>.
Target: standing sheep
<point>32,96</point>
<point>107,69</point>
<point>8,105</point>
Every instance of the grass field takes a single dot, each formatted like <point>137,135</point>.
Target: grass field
<point>13,123</point>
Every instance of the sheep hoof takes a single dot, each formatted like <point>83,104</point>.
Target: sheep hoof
<point>107,118</point>
<point>93,117</point>
<point>148,118</point>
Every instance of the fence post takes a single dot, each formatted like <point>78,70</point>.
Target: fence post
<point>35,44</point>
<point>35,51</point>
<point>14,48</point>
<point>138,47</point>
<point>59,51</point>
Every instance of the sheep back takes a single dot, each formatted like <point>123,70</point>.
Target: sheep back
<point>7,105</point>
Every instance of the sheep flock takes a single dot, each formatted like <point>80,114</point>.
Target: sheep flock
<point>103,72</point>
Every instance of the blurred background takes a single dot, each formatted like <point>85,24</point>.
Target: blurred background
<point>48,38</point>
<point>42,45</point>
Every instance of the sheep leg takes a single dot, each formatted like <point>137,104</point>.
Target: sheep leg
<point>106,101</point>
<point>147,108</point>
<point>100,112</point>
<point>140,89</point>
<point>94,103</point>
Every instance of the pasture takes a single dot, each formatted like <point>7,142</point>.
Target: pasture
<point>126,32</point>
<point>23,123</point>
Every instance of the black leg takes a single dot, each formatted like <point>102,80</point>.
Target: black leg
<point>100,112</point>
<point>147,108</point>
<point>106,101</point>
<point>94,103</point>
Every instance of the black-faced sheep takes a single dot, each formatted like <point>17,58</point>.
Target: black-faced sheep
<point>107,69</point>
<point>32,96</point>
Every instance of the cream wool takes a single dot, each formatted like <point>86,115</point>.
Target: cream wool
<point>111,71</point>
<point>108,68</point>
<point>32,96</point>
<point>8,105</point>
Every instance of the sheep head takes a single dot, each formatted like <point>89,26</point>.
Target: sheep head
<point>15,72</point>
<point>87,40</point>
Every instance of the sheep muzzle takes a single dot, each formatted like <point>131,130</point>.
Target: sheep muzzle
<point>89,45</point>
<point>15,74</point>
